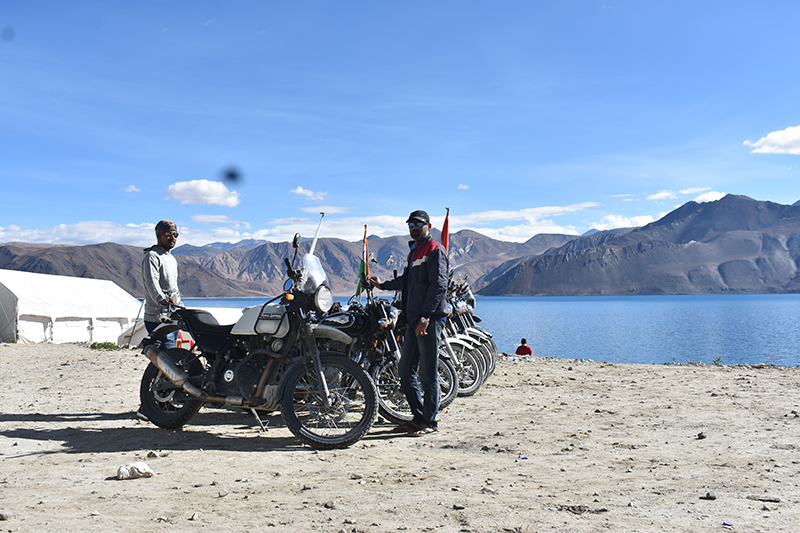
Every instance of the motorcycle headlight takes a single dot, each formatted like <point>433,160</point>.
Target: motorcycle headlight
<point>394,314</point>
<point>323,298</point>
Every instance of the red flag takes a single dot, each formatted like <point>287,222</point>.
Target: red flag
<point>446,231</point>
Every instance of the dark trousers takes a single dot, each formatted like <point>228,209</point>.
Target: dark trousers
<point>419,372</point>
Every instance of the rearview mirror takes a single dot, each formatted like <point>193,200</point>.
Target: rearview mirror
<point>296,241</point>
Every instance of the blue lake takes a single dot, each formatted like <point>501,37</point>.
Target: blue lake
<point>730,329</point>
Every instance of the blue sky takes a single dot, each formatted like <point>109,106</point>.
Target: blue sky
<point>522,117</point>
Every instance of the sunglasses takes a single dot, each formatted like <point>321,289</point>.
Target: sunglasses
<point>171,234</point>
<point>417,224</point>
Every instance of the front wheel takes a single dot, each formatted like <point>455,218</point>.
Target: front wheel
<point>351,409</point>
<point>164,403</point>
<point>392,404</point>
<point>448,382</point>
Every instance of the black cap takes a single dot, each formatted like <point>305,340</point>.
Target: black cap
<point>419,215</point>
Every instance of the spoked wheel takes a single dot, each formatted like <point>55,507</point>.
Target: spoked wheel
<point>350,411</point>
<point>448,382</point>
<point>470,370</point>
<point>392,403</point>
<point>164,403</point>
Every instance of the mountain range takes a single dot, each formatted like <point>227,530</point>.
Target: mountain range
<point>733,245</point>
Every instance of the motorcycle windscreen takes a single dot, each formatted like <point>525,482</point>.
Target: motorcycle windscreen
<point>314,274</point>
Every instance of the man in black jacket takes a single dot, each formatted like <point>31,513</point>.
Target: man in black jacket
<point>423,285</point>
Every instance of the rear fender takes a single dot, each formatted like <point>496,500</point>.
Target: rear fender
<point>162,329</point>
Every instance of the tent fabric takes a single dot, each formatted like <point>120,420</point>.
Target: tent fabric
<point>59,309</point>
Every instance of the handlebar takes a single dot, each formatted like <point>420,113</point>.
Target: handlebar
<point>290,271</point>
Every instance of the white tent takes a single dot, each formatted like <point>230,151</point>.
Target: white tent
<point>57,309</point>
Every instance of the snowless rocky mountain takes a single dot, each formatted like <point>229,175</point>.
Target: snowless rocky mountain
<point>733,245</point>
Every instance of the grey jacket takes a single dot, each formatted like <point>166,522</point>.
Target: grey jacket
<point>160,280</point>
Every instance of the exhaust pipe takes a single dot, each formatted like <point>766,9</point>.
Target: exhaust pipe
<point>180,378</point>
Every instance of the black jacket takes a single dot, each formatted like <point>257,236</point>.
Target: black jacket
<point>423,284</point>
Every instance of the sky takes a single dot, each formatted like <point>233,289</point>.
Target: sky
<point>247,119</point>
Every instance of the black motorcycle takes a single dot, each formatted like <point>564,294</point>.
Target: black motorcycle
<point>377,330</point>
<point>267,361</point>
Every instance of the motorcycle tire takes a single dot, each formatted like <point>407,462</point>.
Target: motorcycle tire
<point>470,371</point>
<point>448,382</point>
<point>352,410</point>
<point>165,404</point>
<point>392,403</point>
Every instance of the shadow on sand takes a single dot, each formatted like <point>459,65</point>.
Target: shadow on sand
<point>232,430</point>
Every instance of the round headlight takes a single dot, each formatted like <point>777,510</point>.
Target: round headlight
<point>323,299</point>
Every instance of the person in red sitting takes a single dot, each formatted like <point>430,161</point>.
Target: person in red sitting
<point>523,348</point>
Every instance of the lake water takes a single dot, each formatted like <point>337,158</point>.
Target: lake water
<point>730,329</point>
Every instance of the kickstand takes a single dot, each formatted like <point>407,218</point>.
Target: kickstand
<point>260,423</point>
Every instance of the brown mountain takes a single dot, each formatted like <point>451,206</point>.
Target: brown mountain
<point>116,262</point>
<point>733,245</point>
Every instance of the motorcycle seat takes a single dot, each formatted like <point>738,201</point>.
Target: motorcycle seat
<point>203,321</point>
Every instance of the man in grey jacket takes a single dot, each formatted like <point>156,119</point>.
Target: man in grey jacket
<point>160,277</point>
<point>160,280</point>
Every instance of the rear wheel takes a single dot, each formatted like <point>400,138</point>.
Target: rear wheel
<point>164,403</point>
<point>350,411</point>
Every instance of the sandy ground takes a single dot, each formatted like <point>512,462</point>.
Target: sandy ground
<point>545,445</point>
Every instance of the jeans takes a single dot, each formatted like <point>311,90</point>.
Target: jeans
<point>419,372</point>
<point>170,340</point>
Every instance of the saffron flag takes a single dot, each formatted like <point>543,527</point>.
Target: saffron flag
<point>363,271</point>
<point>446,232</point>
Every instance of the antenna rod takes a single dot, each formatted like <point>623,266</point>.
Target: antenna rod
<point>316,235</point>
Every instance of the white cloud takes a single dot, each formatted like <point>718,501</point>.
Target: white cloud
<point>662,195</point>
<point>202,192</point>
<point>531,215</point>
<point>327,209</point>
<point>219,220</point>
<point>86,232</point>
<point>671,195</point>
<point>131,189</point>
<point>711,196</point>
<point>514,226</point>
<point>778,142</point>
<point>618,221</point>
<point>695,190</point>
<point>310,195</point>
<point>463,187</point>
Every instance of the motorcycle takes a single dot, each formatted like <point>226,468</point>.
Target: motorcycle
<point>377,332</point>
<point>267,361</point>
<point>462,324</point>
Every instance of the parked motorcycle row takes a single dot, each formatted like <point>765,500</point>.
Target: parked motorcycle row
<point>467,354</point>
<point>329,371</point>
